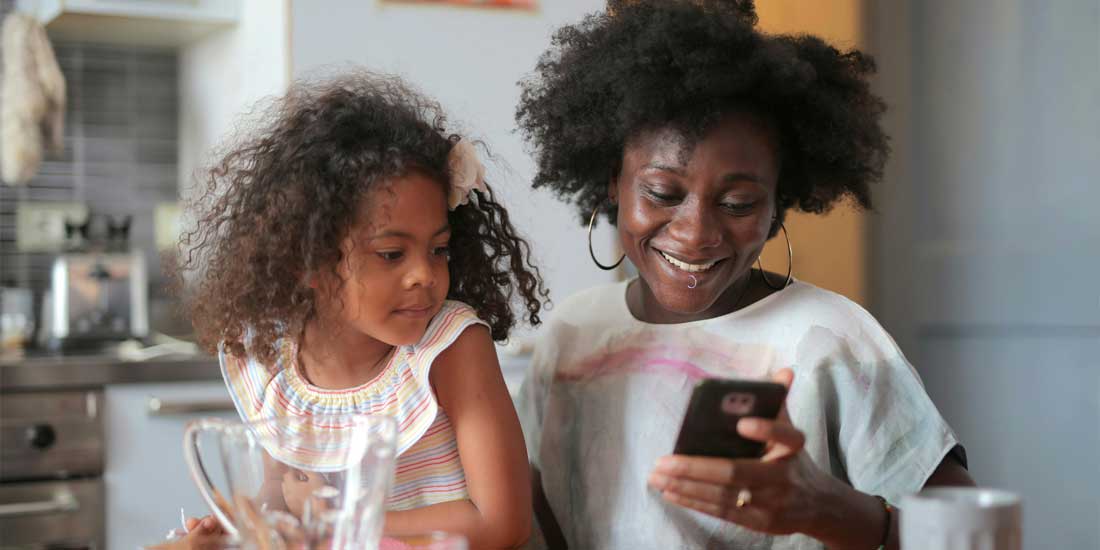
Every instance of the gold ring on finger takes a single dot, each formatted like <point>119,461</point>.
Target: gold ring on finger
<point>744,498</point>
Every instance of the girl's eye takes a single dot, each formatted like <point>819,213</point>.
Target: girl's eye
<point>442,251</point>
<point>391,255</point>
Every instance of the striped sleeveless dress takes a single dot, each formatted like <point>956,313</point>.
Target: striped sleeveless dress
<point>428,469</point>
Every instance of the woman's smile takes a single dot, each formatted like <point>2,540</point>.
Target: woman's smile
<point>690,272</point>
<point>690,266</point>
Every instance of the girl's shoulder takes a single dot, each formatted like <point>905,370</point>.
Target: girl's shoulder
<point>444,329</point>
<point>248,379</point>
<point>452,319</point>
<point>254,385</point>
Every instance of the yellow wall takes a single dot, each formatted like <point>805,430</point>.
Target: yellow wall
<point>831,250</point>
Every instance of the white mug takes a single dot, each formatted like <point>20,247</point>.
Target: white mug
<point>960,518</point>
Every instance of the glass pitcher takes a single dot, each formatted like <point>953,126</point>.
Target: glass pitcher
<point>303,482</point>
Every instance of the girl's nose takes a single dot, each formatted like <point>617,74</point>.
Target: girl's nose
<point>420,273</point>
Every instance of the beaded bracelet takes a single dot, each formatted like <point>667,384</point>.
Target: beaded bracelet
<point>889,519</point>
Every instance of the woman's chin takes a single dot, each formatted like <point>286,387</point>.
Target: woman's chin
<point>683,301</point>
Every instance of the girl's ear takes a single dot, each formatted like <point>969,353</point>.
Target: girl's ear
<point>319,282</point>
<point>613,189</point>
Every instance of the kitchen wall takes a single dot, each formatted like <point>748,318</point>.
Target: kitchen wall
<point>830,250</point>
<point>120,149</point>
<point>470,60</point>
<point>140,123</point>
<point>224,75</point>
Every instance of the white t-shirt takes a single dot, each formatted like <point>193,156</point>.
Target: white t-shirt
<point>606,395</point>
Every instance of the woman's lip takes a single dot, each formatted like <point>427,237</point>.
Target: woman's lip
<point>686,276</point>
<point>686,260</point>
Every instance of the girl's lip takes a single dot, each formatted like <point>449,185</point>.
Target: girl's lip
<point>415,311</point>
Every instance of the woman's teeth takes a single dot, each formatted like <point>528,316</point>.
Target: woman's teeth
<point>684,266</point>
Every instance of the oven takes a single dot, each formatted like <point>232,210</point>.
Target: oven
<point>51,466</point>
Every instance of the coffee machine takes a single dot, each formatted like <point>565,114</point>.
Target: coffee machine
<point>98,297</point>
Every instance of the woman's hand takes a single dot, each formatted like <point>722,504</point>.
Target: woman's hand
<point>774,494</point>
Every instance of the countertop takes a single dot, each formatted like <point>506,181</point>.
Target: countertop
<point>52,370</point>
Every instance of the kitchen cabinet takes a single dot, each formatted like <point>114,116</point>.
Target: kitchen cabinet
<point>146,22</point>
<point>146,478</point>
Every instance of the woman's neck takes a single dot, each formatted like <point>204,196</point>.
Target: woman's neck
<point>341,358</point>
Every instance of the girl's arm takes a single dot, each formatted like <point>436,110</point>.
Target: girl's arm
<point>470,388</point>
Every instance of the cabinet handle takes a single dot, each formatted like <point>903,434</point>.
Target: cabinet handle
<point>62,502</point>
<point>159,407</point>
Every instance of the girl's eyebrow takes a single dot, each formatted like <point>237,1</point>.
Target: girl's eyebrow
<point>405,235</point>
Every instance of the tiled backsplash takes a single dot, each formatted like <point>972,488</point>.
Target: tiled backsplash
<point>120,149</point>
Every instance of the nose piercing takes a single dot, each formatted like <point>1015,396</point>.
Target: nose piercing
<point>694,282</point>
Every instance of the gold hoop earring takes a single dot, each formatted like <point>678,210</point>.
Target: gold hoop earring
<point>592,252</point>
<point>790,263</point>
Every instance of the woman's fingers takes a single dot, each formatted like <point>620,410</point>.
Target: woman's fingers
<point>700,490</point>
<point>747,516</point>
<point>782,438</point>
<point>786,378</point>
<point>723,496</point>
<point>717,471</point>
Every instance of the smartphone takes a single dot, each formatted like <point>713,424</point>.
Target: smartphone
<point>710,423</point>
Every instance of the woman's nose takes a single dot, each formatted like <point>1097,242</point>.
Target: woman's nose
<point>695,226</point>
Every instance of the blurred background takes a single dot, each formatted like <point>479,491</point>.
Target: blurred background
<point>981,257</point>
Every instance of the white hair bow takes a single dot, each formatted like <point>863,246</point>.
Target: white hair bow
<point>467,174</point>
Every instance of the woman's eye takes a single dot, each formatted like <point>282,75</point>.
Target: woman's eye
<point>443,251</point>
<point>659,197</point>
<point>739,207</point>
<point>391,255</point>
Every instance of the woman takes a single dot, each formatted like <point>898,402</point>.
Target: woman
<point>694,133</point>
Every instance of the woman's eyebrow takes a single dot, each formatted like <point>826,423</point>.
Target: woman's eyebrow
<point>741,176</point>
<point>656,165</point>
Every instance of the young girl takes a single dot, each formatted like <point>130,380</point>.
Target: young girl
<point>350,258</point>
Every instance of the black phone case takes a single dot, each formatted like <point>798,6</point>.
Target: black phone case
<point>710,423</point>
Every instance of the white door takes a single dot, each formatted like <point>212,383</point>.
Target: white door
<point>986,240</point>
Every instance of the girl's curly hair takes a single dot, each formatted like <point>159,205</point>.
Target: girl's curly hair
<point>650,64</point>
<point>277,205</point>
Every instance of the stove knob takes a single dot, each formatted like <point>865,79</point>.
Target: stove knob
<point>41,436</point>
